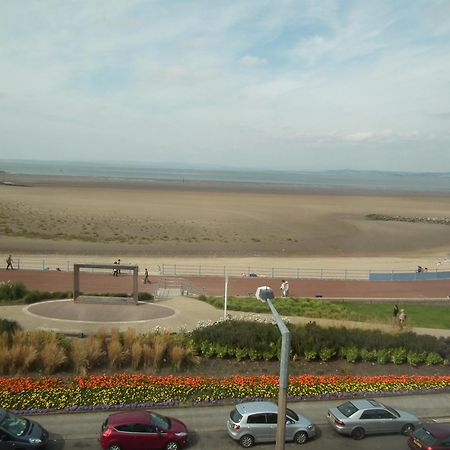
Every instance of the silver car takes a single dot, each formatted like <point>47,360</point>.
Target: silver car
<point>255,422</point>
<point>357,418</point>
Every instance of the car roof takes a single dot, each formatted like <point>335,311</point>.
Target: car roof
<point>366,403</point>
<point>123,418</point>
<point>257,407</point>
<point>438,430</point>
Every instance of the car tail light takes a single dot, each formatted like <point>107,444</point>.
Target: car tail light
<point>339,423</point>
<point>236,426</point>
<point>107,432</point>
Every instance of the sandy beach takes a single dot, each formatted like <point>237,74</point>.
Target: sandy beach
<point>219,223</point>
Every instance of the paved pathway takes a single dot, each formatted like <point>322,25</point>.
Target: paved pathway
<point>183,312</point>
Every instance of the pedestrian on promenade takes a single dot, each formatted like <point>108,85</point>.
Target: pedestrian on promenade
<point>115,270</point>
<point>9,263</point>
<point>118,263</point>
<point>146,278</point>
<point>286,288</point>
<point>395,315</point>
<point>402,318</point>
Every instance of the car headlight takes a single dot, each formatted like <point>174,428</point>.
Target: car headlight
<point>310,427</point>
<point>181,434</point>
<point>35,441</point>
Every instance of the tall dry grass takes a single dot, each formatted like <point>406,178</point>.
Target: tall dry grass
<point>136,354</point>
<point>79,356</point>
<point>94,352</point>
<point>114,349</point>
<point>52,355</point>
<point>147,355</point>
<point>160,346</point>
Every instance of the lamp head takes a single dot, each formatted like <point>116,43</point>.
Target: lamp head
<point>264,293</point>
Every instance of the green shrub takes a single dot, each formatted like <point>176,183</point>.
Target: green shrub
<point>9,326</point>
<point>241,353</point>
<point>12,291</point>
<point>398,355</point>
<point>310,355</point>
<point>368,355</point>
<point>383,355</point>
<point>326,353</point>
<point>351,354</point>
<point>414,358</point>
<point>145,297</point>
<point>433,359</point>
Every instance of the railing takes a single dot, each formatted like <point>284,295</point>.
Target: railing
<point>180,270</point>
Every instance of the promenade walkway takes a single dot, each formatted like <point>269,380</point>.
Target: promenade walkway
<point>183,312</point>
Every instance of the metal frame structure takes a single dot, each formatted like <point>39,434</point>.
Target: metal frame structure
<point>125,267</point>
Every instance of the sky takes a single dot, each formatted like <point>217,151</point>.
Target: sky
<point>297,85</point>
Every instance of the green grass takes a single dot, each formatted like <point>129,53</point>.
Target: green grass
<point>427,316</point>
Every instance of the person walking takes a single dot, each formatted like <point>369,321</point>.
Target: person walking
<point>402,318</point>
<point>282,287</point>
<point>286,289</point>
<point>115,270</point>
<point>9,263</point>
<point>395,315</point>
<point>146,278</point>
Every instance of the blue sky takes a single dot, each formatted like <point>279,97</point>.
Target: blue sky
<point>301,85</point>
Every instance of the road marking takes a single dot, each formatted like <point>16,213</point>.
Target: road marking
<point>442,420</point>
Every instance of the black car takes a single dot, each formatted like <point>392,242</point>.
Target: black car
<point>20,433</point>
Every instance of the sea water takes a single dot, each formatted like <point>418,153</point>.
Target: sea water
<point>348,179</point>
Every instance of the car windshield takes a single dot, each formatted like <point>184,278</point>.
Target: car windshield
<point>14,425</point>
<point>425,436</point>
<point>162,422</point>
<point>392,411</point>
<point>235,416</point>
<point>292,414</point>
<point>347,408</point>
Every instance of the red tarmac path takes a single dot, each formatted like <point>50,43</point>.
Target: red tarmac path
<point>106,283</point>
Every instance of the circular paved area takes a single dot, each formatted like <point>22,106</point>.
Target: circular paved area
<point>87,312</point>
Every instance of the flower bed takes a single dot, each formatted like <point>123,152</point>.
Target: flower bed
<point>46,394</point>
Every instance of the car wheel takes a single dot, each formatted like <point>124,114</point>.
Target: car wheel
<point>407,429</point>
<point>300,437</point>
<point>114,447</point>
<point>358,433</point>
<point>247,440</point>
<point>172,445</point>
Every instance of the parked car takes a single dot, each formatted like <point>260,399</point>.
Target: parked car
<point>431,436</point>
<point>255,422</point>
<point>19,432</point>
<point>142,430</point>
<point>357,418</point>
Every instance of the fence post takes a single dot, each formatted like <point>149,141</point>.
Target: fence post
<point>174,269</point>
<point>345,274</point>
<point>321,274</point>
<point>273,272</point>
<point>298,273</point>
<point>18,263</point>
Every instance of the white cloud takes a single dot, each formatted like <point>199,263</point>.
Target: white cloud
<point>198,79</point>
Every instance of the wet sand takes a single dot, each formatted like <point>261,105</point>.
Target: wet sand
<point>217,222</point>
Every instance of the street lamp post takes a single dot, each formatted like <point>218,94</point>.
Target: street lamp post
<point>266,295</point>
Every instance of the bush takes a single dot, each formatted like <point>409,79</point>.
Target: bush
<point>368,355</point>
<point>145,297</point>
<point>326,353</point>
<point>383,355</point>
<point>433,359</point>
<point>398,355</point>
<point>12,291</point>
<point>414,358</point>
<point>8,326</point>
<point>351,354</point>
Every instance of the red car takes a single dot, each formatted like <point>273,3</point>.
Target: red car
<point>430,436</point>
<point>142,430</point>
